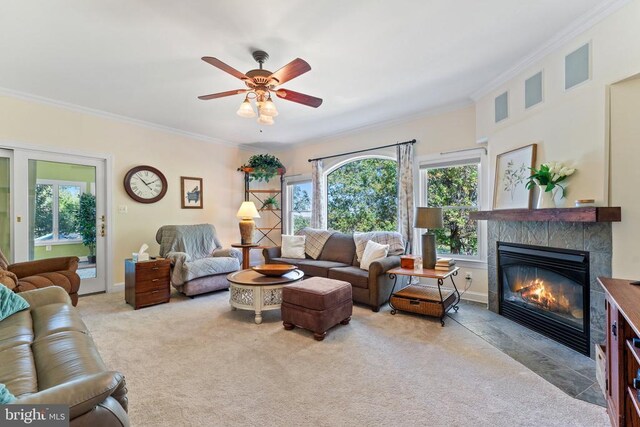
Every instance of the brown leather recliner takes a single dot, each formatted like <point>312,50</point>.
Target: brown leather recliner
<point>30,275</point>
<point>47,356</point>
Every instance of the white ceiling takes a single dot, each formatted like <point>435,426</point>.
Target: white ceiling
<point>372,60</point>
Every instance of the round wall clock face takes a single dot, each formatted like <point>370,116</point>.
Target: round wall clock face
<point>145,184</point>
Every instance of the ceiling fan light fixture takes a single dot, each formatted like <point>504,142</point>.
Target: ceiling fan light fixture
<point>265,120</point>
<point>246,110</point>
<point>268,108</point>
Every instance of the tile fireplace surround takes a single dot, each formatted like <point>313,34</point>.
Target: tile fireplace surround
<point>594,237</point>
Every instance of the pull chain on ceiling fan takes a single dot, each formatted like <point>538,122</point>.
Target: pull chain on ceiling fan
<point>261,83</point>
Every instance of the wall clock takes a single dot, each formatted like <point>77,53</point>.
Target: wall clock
<point>145,184</point>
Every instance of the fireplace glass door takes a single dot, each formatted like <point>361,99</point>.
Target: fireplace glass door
<point>547,290</point>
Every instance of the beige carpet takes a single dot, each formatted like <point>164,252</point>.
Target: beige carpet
<point>196,362</point>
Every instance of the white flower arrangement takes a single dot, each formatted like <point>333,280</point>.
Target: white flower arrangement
<point>549,176</point>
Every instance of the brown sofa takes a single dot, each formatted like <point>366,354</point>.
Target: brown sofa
<point>47,356</point>
<point>30,275</point>
<point>338,261</point>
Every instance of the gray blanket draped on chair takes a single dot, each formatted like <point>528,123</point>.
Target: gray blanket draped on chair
<point>195,251</point>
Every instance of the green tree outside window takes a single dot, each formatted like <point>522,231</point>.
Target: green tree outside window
<point>455,189</point>
<point>362,196</point>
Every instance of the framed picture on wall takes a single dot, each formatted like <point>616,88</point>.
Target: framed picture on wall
<point>191,191</point>
<point>513,168</point>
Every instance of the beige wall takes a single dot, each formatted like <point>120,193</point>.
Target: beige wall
<point>436,133</point>
<point>625,174</point>
<point>131,145</point>
<point>571,126</point>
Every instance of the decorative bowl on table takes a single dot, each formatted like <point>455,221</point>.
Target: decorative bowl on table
<point>274,270</point>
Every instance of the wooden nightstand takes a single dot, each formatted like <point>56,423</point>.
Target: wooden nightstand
<point>147,282</point>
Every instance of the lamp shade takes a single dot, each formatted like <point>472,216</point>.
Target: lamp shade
<point>428,218</point>
<point>248,210</point>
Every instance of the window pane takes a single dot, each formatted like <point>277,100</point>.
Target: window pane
<point>362,196</point>
<point>459,235</point>
<point>43,229</point>
<point>455,189</point>
<point>68,205</point>
<point>452,186</point>
<point>299,206</point>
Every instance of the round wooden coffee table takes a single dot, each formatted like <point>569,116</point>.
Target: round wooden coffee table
<point>253,291</point>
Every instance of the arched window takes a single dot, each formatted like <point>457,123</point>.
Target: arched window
<point>362,195</point>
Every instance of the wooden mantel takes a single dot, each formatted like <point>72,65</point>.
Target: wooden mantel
<point>590,214</point>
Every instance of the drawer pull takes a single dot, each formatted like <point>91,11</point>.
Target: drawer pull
<point>156,268</point>
<point>155,280</point>
<point>155,292</point>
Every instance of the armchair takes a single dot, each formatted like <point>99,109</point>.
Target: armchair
<point>199,264</point>
<point>30,275</point>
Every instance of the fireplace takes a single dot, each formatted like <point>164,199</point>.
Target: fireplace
<point>547,290</point>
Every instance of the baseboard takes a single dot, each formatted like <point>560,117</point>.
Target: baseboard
<point>476,297</point>
<point>116,287</point>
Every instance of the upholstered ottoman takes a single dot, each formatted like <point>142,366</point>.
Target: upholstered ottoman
<point>316,304</point>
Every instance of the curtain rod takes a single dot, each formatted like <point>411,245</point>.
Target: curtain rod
<point>413,141</point>
<point>465,149</point>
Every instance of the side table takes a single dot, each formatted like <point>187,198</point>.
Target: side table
<point>425,299</point>
<point>246,252</point>
<point>147,282</point>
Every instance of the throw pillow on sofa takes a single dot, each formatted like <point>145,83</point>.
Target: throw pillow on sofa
<point>293,247</point>
<point>372,252</point>
<point>10,302</point>
<point>391,238</point>
<point>5,395</point>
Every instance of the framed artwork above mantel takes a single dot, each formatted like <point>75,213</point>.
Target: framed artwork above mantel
<point>513,168</point>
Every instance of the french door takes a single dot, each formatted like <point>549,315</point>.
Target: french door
<point>57,206</point>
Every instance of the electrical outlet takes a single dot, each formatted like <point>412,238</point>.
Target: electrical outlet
<point>468,276</point>
<point>123,209</point>
<point>47,248</point>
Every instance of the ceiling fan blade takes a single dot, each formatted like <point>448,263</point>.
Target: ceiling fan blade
<point>224,67</point>
<point>222,94</point>
<point>298,97</point>
<point>292,70</point>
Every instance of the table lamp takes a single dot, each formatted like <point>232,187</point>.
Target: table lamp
<point>428,218</point>
<point>246,213</point>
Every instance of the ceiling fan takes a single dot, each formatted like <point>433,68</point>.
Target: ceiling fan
<point>261,83</point>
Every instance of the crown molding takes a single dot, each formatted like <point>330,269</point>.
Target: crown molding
<point>577,27</point>
<point>106,115</point>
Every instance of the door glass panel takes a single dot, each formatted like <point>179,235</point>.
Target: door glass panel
<point>5,208</point>
<point>62,213</point>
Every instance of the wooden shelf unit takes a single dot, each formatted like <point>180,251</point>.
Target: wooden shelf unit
<point>267,234</point>
<point>623,359</point>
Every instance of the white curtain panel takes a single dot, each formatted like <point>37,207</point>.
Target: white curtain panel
<point>318,208</point>
<point>406,202</point>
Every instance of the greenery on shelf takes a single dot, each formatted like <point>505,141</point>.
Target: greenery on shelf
<point>270,203</point>
<point>87,221</point>
<point>455,187</point>
<point>264,167</point>
<point>362,196</point>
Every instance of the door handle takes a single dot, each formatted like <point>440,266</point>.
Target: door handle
<point>102,227</point>
<point>614,329</point>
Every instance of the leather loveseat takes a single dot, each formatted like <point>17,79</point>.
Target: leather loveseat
<point>47,356</point>
<point>338,261</point>
<point>29,275</point>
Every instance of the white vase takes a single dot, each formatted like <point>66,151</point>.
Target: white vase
<point>546,199</point>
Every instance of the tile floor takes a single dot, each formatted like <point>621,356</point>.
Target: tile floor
<point>570,371</point>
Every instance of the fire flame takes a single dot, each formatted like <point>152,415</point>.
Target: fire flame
<point>536,292</point>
